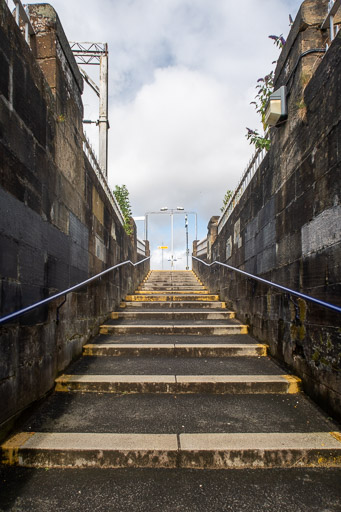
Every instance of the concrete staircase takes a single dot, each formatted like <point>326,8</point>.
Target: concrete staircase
<point>173,380</point>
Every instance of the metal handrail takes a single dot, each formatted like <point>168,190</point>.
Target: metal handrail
<point>68,290</point>
<point>274,285</point>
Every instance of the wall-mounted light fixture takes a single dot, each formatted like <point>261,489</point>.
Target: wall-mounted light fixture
<point>277,109</point>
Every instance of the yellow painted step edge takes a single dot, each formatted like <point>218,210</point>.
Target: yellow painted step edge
<point>263,349</point>
<point>10,449</point>
<point>294,384</point>
<point>163,298</point>
<point>336,435</point>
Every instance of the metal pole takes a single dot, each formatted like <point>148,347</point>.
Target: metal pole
<point>172,232</point>
<point>27,34</point>
<point>17,13</point>
<point>103,112</point>
<point>146,227</point>
<point>331,26</point>
<point>187,249</point>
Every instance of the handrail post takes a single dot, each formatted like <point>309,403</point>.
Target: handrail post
<point>58,308</point>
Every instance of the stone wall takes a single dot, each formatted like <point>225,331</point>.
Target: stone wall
<point>287,225</point>
<point>57,223</point>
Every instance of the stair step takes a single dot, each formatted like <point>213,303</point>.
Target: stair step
<point>158,364</point>
<point>199,451</point>
<point>171,297</point>
<point>171,289</point>
<point>164,413</point>
<point>236,384</point>
<point>161,338</point>
<point>179,292</point>
<point>175,305</point>
<point>180,285</point>
<point>216,330</point>
<point>180,350</point>
<point>172,315</point>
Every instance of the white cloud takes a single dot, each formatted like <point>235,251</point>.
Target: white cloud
<point>182,75</point>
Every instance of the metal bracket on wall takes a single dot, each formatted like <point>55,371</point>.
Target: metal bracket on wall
<point>253,285</point>
<point>58,308</point>
<point>297,309</point>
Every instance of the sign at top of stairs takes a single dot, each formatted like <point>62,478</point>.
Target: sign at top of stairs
<point>174,380</point>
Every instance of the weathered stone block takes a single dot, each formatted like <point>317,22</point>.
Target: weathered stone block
<point>323,231</point>
<point>78,231</point>
<point>288,248</point>
<point>267,213</point>
<point>58,244</point>
<point>31,266</point>
<point>8,257</point>
<point>10,297</point>
<point>45,45</point>
<point>4,75</point>
<point>57,274</point>
<point>266,260</point>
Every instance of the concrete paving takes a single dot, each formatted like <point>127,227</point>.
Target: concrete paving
<point>175,339</point>
<point>90,365</point>
<point>176,414</point>
<point>189,329</point>
<point>179,316</point>
<point>168,297</point>
<point>185,304</point>
<point>170,490</point>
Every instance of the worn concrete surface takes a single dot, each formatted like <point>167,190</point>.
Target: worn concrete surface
<point>171,320</point>
<point>164,305</point>
<point>190,329</point>
<point>172,414</point>
<point>170,490</point>
<point>175,366</point>
<point>175,338</point>
<point>174,350</point>
<point>170,384</point>
<point>204,451</point>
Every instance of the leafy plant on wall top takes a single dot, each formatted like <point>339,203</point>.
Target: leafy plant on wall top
<point>226,199</point>
<point>121,194</point>
<point>265,87</point>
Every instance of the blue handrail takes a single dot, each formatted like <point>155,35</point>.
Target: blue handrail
<point>68,290</point>
<point>274,285</point>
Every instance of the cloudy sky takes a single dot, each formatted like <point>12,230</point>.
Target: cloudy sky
<point>182,74</point>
